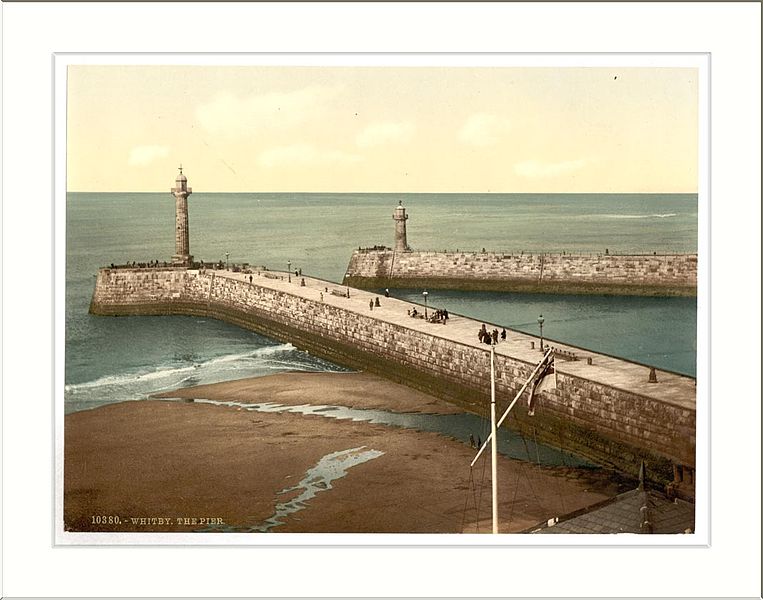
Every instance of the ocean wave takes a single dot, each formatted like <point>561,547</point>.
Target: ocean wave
<point>126,379</point>
<point>652,216</point>
<point>258,353</point>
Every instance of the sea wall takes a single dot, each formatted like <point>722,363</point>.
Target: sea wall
<point>611,274</point>
<point>609,424</point>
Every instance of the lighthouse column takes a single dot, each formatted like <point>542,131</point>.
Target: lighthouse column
<point>401,240</point>
<point>181,191</point>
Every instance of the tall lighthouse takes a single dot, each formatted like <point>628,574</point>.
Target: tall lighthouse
<point>181,191</point>
<point>401,240</point>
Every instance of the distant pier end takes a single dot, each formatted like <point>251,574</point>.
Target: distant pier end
<point>613,411</point>
<point>606,274</point>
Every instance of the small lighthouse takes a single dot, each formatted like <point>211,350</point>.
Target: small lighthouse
<point>181,191</point>
<point>401,240</point>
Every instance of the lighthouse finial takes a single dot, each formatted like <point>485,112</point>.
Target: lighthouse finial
<point>181,168</point>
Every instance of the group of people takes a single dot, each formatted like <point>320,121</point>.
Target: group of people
<point>372,303</point>
<point>436,316</point>
<point>490,337</point>
<point>439,316</point>
<point>142,265</point>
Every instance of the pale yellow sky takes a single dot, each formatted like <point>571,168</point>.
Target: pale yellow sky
<point>383,129</point>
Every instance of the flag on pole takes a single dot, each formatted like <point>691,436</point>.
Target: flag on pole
<point>544,380</point>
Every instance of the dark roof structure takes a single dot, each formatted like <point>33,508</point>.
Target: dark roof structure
<point>636,511</point>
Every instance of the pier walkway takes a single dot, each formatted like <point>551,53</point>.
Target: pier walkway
<point>679,390</point>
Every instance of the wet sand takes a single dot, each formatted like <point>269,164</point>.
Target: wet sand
<point>354,390</point>
<point>177,460</point>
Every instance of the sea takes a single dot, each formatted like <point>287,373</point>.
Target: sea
<point>113,359</point>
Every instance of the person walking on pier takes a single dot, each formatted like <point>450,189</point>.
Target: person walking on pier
<point>376,302</point>
<point>503,335</point>
<point>371,304</point>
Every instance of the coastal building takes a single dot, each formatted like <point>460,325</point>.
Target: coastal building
<point>181,191</point>
<point>641,511</point>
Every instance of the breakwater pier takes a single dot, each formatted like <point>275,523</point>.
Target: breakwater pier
<point>601,273</point>
<point>610,410</point>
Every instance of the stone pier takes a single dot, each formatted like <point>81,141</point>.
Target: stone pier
<point>604,408</point>
<point>605,274</point>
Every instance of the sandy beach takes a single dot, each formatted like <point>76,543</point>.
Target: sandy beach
<point>168,465</point>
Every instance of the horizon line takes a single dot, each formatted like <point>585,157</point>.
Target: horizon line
<point>378,193</point>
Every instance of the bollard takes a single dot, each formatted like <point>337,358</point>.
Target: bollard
<point>589,360</point>
<point>652,375</point>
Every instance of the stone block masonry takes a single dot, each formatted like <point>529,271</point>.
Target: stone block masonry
<point>608,274</point>
<point>606,410</point>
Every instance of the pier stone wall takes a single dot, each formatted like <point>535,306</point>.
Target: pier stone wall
<point>612,426</point>
<point>670,275</point>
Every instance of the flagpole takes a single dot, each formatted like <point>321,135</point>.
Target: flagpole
<point>494,436</point>
<point>513,402</point>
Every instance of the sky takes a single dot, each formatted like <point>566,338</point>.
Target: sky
<point>383,129</point>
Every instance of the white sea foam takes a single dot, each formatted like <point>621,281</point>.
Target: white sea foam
<point>130,379</point>
<point>259,353</point>
<point>126,379</point>
<point>652,216</point>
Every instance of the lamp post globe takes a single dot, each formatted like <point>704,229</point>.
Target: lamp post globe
<point>425,294</point>
<point>541,320</point>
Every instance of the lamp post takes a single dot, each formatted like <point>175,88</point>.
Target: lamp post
<point>540,322</point>
<point>425,294</point>
<point>289,270</point>
<point>227,254</point>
